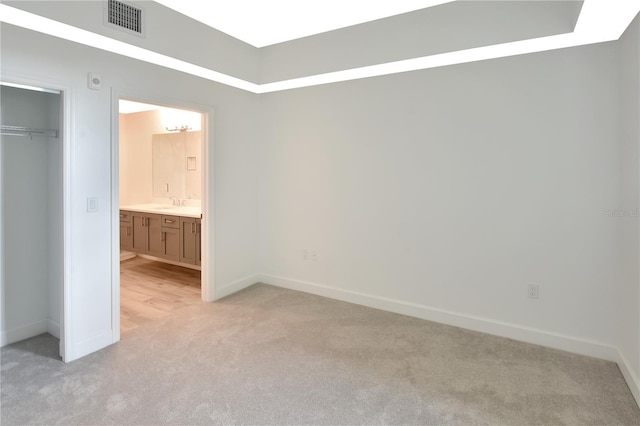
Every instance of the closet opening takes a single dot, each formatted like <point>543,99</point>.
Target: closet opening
<point>31,216</point>
<point>160,156</point>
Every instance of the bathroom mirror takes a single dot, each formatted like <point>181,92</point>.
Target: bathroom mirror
<point>176,165</point>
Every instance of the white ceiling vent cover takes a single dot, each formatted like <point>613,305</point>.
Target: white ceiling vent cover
<point>124,16</point>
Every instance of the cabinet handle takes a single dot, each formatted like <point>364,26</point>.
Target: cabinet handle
<point>164,236</point>
<point>143,221</point>
<point>193,227</point>
<point>169,221</point>
<point>122,216</point>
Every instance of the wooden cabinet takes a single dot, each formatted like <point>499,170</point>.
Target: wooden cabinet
<point>147,234</point>
<point>168,237</point>
<point>198,242</point>
<point>190,240</point>
<point>171,238</point>
<point>126,231</point>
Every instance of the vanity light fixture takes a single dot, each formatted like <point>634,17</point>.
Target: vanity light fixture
<point>182,128</point>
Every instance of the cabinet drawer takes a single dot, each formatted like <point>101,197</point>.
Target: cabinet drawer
<point>125,216</point>
<point>170,221</point>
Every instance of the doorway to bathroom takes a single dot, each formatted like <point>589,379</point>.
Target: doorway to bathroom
<point>160,193</point>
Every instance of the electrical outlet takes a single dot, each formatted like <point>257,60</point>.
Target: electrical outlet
<point>532,291</point>
<point>314,255</point>
<point>305,254</point>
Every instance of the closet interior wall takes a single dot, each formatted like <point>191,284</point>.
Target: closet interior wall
<point>31,216</point>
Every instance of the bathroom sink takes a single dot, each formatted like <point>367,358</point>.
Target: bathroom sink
<point>168,209</point>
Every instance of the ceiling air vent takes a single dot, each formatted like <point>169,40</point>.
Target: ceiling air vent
<point>124,16</point>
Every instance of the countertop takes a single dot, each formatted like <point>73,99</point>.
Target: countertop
<point>165,209</point>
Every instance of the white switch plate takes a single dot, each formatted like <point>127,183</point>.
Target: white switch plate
<point>92,204</point>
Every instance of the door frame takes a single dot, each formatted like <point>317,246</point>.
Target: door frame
<point>207,200</point>
<point>65,135</point>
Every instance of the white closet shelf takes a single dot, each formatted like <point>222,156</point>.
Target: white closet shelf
<point>27,131</point>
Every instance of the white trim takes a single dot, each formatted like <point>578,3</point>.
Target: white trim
<point>631,378</point>
<point>93,344</point>
<point>53,328</point>
<point>470,322</point>
<point>115,216</point>
<point>236,286</point>
<point>26,331</point>
<point>207,239</point>
<point>66,330</point>
<point>127,255</point>
<point>170,262</point>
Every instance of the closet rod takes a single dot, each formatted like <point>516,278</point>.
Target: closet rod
<point>27,131</point>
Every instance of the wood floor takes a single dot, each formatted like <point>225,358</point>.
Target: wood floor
<point>152,290</point>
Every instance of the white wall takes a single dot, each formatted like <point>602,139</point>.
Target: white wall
<point>136,154</point>
<point>29,54</point>
<point>136,130</point>
<point>628,308</point>
<point>442,193</point>
<point>445,28</point>
<point>31,218</point>
<point>55,227</point>
<point>162,25</point>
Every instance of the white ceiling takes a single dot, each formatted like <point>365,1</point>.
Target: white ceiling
<point>266,22</point>
<point>599,21</point>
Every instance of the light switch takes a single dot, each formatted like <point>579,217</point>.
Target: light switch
<point>92,205</point>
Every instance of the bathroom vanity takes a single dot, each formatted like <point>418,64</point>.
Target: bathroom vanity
<point>162,232</point>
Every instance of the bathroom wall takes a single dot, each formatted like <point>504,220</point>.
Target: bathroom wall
<point>31,221</point>
<point>136,130</point>
<point>136,154</point>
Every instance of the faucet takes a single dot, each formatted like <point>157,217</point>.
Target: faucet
<point>174,199</point>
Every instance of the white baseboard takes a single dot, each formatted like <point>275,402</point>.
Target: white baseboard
<point>90,345</point>
<point>53,328</point>
<point>228,289</point>
<point>632,379</point>
<point>469,322</point>
<point>126,255</point>
<point>27,331</point>
<point>170,262</point>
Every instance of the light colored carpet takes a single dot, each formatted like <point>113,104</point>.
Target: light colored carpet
<point>273,356</point>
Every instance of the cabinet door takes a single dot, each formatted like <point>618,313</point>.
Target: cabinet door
<point>171,239</point>
<point>155,245</point>
<point>198,242</point>
<point>139,240</point>
<point>188,240</point>
<point>126,236</point>
<point>125,216</point>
